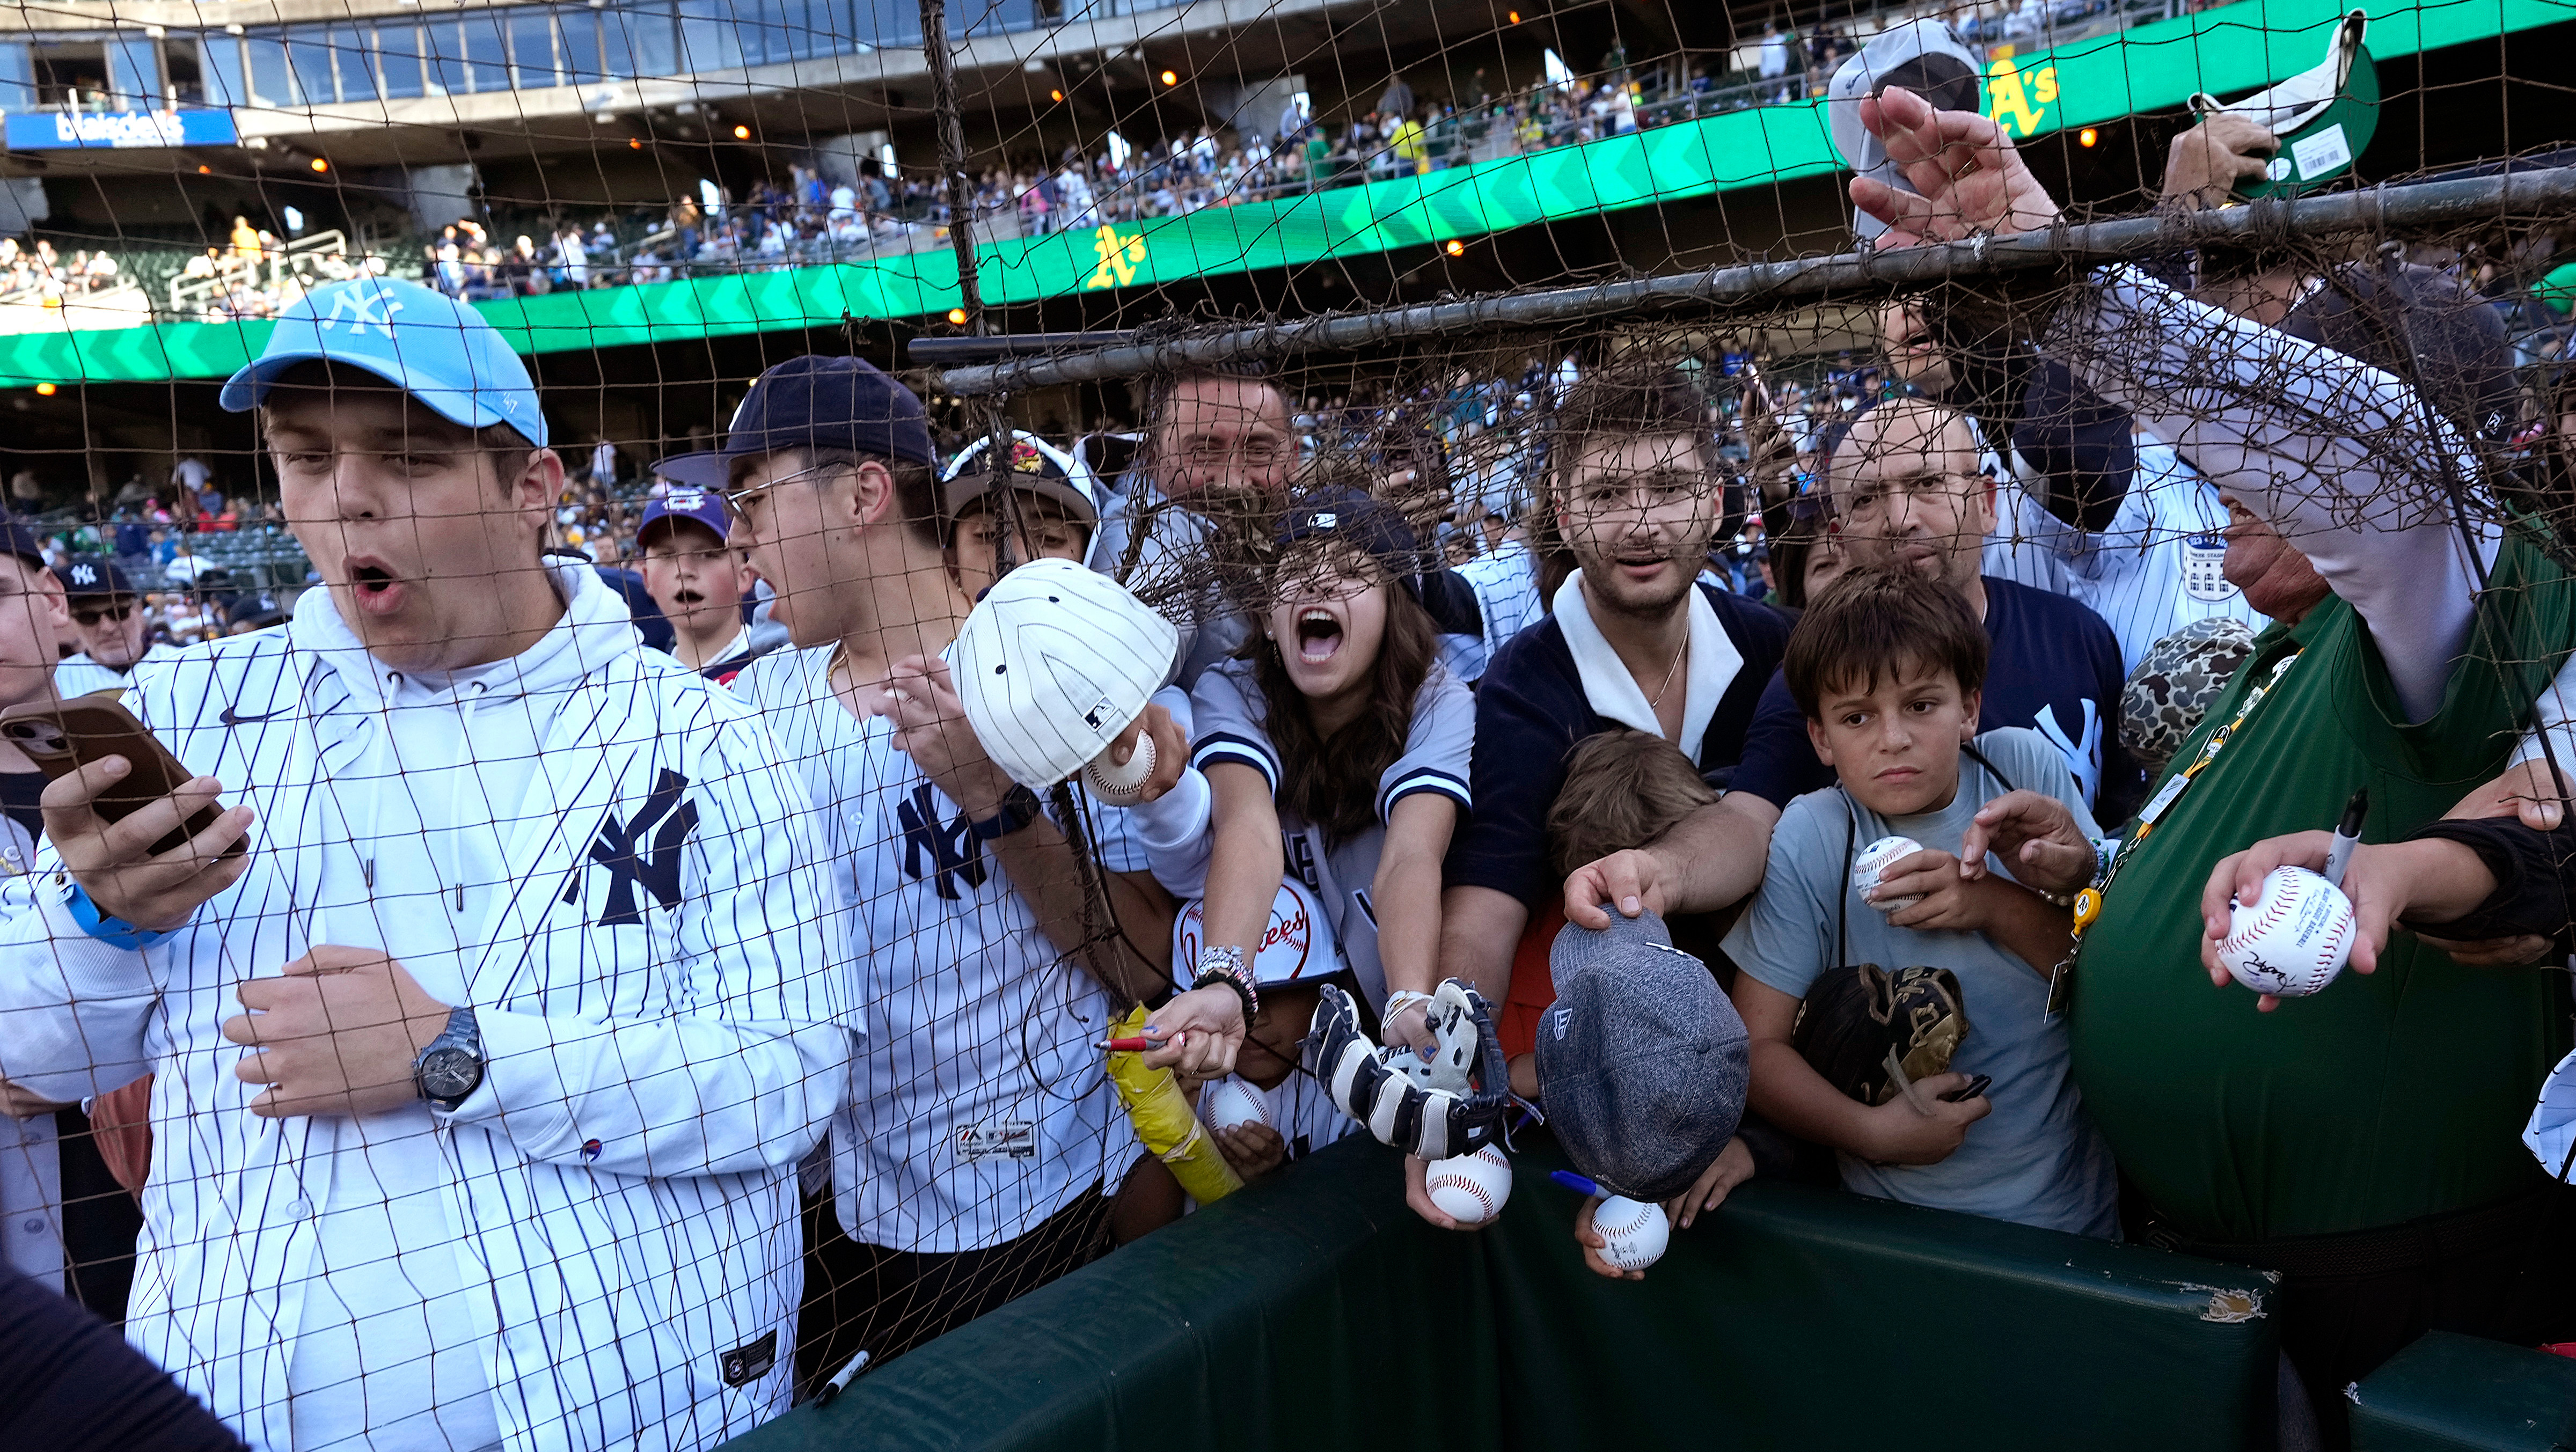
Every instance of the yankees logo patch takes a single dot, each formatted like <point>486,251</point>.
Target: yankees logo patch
<point>620,849</point>
<point>950,848</point>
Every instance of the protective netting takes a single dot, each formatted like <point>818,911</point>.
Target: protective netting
<point>791,992</point>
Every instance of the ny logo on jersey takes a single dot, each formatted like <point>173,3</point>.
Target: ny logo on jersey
<point>2083,752</point>
<point>952,848</point>
<point>620,849</point>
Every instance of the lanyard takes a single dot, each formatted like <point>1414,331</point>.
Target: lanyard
<point>2088,903</point>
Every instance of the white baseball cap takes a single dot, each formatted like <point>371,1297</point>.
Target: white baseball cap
<point>1297,947</point>
<point>1923,56</point>
<point>1053,664</point>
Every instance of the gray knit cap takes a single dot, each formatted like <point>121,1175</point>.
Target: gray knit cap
<point>1642,1063</point>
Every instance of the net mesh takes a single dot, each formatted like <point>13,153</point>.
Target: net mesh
<point>1197,273</point>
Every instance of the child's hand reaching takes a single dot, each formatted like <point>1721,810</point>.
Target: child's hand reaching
<point>1253,1149</point>
<point>1732,1167</point>
<point>1593,1243</point>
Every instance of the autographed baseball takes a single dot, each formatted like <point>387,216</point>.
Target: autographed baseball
<point>1231,1104</point>
<point>1470,1189</point>
<point>1636,1231</point>
<point>1876,858</point>
<point>1121,786</point>
<point>2293,939</point>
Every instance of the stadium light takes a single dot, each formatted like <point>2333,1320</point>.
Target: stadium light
<point>1055,95</point>
<point>1454,247</point>
<point>635,143</point>
<point>957,317</point>
<point>318,164</point>
<point>1171,78</point>
<point>742,133</point>
<point>46,389</point>
<point>2087,136</point>
<point>1513,16</point>
<point>204,170</point>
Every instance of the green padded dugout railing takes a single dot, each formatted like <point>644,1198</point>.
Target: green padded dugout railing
<point>1316,1312</point>
<point>2450,1393</point>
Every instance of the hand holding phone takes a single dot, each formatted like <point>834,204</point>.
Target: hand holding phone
<point>149,842</point>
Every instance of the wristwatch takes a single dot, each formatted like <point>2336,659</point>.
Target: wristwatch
<point>1019,808</point>
<point>451,1068</point>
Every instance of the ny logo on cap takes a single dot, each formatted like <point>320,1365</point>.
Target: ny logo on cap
<point>84,574</point>
<point>362,308</point>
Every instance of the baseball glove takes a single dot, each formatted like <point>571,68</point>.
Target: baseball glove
<point>1452,1104</point>
<point>1855,1020</point>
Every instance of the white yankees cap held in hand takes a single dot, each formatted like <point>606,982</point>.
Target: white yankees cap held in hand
<point>1054,663</point>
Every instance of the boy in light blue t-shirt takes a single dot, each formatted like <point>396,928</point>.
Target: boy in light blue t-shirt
<point>1887,669</point>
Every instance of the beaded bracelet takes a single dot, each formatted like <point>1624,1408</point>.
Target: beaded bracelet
<point>1225,965</point>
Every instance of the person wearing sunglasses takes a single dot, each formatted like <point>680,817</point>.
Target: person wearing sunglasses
<point>109,624</point>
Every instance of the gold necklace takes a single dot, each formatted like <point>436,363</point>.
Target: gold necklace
<point>1658,698</point>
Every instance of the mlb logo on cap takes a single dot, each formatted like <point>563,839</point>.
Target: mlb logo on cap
<point>1053,665</point>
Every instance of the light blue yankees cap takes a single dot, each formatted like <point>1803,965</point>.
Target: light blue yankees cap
<point>425,343</point>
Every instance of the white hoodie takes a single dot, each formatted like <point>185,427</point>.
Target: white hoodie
<point>604,1236</point>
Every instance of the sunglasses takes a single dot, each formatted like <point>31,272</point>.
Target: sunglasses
<point>118,613</point>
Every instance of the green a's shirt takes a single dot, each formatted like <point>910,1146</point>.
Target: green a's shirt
<point>2386,1097</point>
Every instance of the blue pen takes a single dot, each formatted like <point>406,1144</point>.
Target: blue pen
<point>1579,1185</point>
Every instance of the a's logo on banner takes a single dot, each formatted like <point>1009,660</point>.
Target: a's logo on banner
<point>1119,258</point>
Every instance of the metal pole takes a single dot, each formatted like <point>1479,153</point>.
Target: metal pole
<point>952,156</point>
<point>1005,503</point>
<point>1764,286</point>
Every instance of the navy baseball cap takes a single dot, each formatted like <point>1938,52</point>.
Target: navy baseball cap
<point>1372,526</point>
<point>88,577</point>
<point>813,402</point>
<point>17,539</point>
<point>703,507</point>
<point>425,343</point>
<point>1642,1064</point>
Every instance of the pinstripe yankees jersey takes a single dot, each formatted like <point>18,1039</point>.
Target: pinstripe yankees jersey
<point>1229,709</point>
<point>1506,585</point>
<point>78,675</point>
<point>2159,567</point>
<point>635,914</point>
<point>978,1105</point>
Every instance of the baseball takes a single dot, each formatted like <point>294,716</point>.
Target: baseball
<point>1231,1104</point>
<point>2293,939</point>
<point>1636,1230</point>
<point>1874,858</point>
<point>1121,786</point>
<point>1470,1189</point>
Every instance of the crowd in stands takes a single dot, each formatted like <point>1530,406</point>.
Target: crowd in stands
<point>36,272</point>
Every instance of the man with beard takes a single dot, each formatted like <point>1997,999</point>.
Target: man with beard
<point>1908,495</point>
<point>1632,639</point>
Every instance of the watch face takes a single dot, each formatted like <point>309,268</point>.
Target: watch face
<point>450,1073</point>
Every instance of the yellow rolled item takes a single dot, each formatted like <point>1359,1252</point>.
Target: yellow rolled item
<point>1164,1121</point>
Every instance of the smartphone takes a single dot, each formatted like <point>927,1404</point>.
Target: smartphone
<point>64,736</point>
<point>1977,1084</point>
